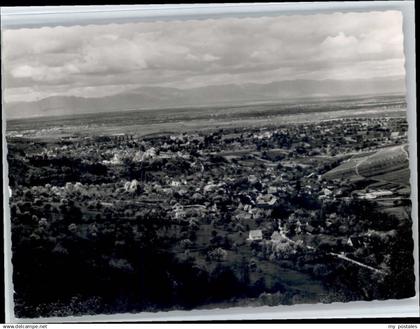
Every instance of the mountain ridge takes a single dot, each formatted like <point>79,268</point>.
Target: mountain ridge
<point>166,97</point>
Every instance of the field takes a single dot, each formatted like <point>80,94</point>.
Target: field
<point>388,165</point>
<point>161,121</point>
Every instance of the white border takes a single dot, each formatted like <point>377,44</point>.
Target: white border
<point>34,16</point>
<point>13,17</point>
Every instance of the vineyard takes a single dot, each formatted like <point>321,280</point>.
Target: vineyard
<point>389,164</point>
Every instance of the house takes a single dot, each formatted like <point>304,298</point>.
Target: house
<point>267,200</point>
<point>255,235</point>
<point>355,242</point>
<point>276,236</point>
<point>175,183</point>
<point>375,194</point>
<point>210,187</point>
<point>178,211</point>
<point>197,197</point>
<point>132,186</point>
<point>309,228</point>
<point>272,189</point>
<point>217,254</point>
<point>138,156</point>
<point>325,193</point>
<point>150,153</point>
<point>116,160</point>
<point>252,179</point>
<point>69,187</point>
<point>394,135</point>
<point>244,215</point>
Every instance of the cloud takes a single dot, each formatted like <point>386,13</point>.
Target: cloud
<point>340,44</point>
<point>43,73</point>
<point>91,60</point>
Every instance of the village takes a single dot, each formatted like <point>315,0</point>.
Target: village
<point>240,198</point>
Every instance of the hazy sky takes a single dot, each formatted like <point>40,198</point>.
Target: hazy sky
<point>100,60</point>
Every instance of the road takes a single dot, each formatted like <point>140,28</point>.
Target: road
<point>351,261</point>
<point>357,263</point>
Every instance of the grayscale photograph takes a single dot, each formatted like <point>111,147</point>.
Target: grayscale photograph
<point>202,163</point>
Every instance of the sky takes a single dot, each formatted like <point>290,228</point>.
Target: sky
<point>108,59</point>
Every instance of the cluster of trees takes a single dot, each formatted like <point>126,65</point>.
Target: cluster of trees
<point>115,269</point>
<point>38,171</point>
<point>386,244</point>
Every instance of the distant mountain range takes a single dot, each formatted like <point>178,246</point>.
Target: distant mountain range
<point>162,97</point>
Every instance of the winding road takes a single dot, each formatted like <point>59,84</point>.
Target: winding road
<point>357,263</point>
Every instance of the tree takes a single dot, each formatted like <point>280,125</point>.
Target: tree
<point>320,270</point>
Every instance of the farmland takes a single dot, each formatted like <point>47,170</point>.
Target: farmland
<point>388,164</point>
<point>158,121</point>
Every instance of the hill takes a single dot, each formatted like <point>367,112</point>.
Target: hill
<point>387,165</point>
